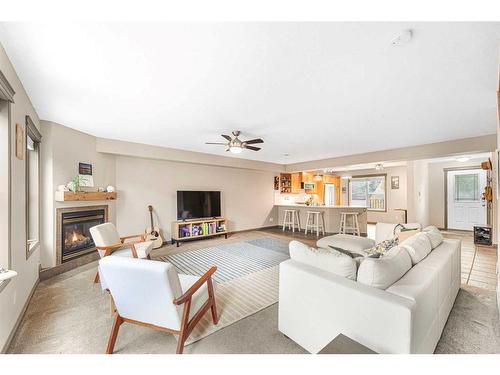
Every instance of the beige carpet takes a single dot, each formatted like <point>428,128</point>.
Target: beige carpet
<point>239,298</point>
<point>473,325</point>
<point>70,314</point>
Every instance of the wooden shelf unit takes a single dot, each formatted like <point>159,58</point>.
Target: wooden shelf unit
<point>213,225</point>
<point>63,196</point>
<point>285,183</point>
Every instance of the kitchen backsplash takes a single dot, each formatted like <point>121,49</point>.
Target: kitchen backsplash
<point>290,198</point>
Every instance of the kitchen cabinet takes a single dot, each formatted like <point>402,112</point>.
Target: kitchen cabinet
<point>285,183</point>
<point>309,178</point>
<point>296,182</point>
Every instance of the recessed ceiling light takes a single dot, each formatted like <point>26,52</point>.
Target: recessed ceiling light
<point>404,38</point>
<point>463,159</point>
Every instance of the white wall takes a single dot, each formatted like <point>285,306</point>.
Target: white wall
<point>396,198</point>
<point>63,148</point>
<point>14,296</point>
<point>418,195</point>
<point>247,195</point>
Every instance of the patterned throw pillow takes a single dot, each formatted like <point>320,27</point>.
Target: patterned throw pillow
<point>383,247</point>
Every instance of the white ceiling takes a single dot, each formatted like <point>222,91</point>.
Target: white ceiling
<point>311,90</point>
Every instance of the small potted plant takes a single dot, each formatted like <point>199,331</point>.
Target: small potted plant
<point>75,183</point>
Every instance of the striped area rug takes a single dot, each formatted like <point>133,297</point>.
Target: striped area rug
<point>246,280</point>
<point>232,261</point>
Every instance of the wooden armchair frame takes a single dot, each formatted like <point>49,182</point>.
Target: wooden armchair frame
<point>187,325</point>
<point>108,250</point>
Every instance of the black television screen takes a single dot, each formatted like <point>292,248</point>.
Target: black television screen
<point>197,204</point>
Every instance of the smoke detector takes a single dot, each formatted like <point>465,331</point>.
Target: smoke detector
<point>404,38</point>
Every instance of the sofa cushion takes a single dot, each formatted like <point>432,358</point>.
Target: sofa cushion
<point>355,244</point>
<point>384,271</point>
<point>434,235</point>
<point>407,233</point>
<point>328,260</point>
<point>347,252</point>
<point>418,247</point>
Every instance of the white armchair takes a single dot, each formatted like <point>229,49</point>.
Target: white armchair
<point>108,242</point>
<point>153,295</point>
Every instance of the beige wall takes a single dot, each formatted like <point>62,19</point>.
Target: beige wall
<point>247,195</point>
<point>63,148</point>
<point>15,294</point>
<point>396,198</point>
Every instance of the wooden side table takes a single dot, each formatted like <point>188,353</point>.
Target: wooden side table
<point>344,345</point>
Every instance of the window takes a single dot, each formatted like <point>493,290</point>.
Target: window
<point>466,187</point>
<point>368,191</point>
<point>33,138</point>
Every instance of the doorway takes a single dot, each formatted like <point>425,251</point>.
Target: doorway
<point>465,207</point>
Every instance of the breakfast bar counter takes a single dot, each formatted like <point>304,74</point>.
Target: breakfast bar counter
<point>331,214</point>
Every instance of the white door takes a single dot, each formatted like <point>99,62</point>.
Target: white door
<point>465,205</point>
<point>330,196</point>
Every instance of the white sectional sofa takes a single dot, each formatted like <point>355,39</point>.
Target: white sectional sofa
<point>315,305</point>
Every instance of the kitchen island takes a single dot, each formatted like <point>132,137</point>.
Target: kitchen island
<point>331,213</point>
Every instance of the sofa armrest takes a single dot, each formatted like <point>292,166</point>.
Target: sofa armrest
<point>315,306</point>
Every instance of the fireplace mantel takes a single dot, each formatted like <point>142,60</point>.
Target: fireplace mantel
<point>64,196</point>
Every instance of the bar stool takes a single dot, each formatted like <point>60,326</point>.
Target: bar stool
<point>313,221</point>
<point>344,218</point>
<point>292,219</point>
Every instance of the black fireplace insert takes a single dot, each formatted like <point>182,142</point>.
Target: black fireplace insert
<point>75,232</point>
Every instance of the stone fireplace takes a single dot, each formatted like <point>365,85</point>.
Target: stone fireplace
<point>73,237</point>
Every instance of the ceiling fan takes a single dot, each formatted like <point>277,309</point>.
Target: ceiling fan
<point>235,145</point>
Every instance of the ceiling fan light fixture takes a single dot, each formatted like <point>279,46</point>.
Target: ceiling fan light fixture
<point>235,149</point>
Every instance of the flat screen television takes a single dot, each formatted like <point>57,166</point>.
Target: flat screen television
<point>198,204</point>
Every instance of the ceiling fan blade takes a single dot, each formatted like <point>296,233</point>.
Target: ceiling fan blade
<point>253,141</point>
<point>227,137</point>
<point>252,148</point>
<point>215,143</point>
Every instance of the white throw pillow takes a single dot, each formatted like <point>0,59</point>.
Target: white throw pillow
<point>418,247</point>
<point>382,272</point>
<point>328,260</point>
<point>434,235</point>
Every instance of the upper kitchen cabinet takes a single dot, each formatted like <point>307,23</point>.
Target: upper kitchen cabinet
<point>296,182</point>
<point>285,183</point>
<point>308,178</point>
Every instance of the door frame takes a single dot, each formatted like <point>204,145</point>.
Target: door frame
<point>446,170</point>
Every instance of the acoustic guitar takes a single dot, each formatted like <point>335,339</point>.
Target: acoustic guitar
<point>153,232</point>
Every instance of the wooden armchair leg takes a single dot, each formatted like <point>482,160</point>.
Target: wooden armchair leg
<point>114,334</point>
<point>211,296</point>
<point>96,279</point>
<point>184,327</point>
